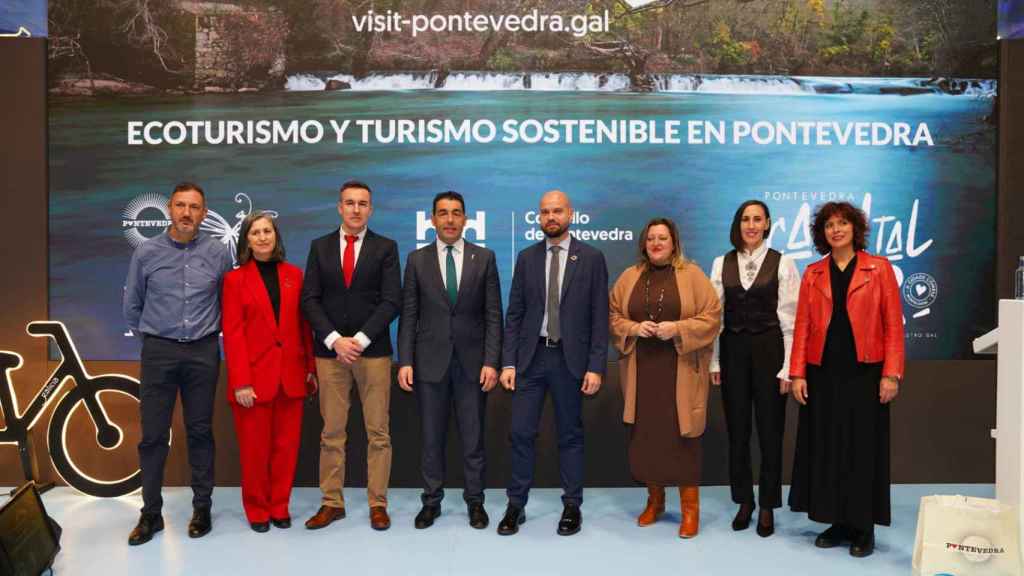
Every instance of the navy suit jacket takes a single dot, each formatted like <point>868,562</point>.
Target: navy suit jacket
<point>368,305</point>
<point>583,311</point>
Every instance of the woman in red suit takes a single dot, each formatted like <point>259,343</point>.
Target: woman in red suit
<point>846,367</point>
<point>269,351</point>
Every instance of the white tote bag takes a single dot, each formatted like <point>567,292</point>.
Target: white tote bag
<point>962,535</point>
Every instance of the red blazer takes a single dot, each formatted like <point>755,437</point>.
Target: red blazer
<point>876,315</point>
<point>260,353</point>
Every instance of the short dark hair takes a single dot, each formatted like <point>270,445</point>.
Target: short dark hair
<point>354,184</point>
<point>189,186</point>
<point>735,236</point>
<point>448,195</point>
<point>844,210</point>
<point>244,251</point>
<point>678,259</point>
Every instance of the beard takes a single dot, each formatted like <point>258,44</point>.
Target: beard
<point>550,233</point>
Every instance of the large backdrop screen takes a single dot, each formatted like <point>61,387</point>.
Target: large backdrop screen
<point>636,110</point>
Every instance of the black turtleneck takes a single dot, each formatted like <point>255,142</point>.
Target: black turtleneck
<point>268,270</point>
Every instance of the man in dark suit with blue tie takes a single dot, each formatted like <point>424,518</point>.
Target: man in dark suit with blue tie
<point>556,340</point>
<point>449,350</point>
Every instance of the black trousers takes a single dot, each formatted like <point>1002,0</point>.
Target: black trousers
<point>750,365</point>
<point>170,367</point>
<point>435,401</point>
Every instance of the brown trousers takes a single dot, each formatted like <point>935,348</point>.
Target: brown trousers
<point>372,378</point>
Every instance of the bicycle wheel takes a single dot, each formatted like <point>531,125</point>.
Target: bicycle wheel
<point>58,435</point>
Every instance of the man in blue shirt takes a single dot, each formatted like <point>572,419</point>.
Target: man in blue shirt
<point>172,300</point>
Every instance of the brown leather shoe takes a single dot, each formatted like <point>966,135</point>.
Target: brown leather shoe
<point>655,506</point>
<point>689,499</point>
<point>379,518</point>
<point>324,516</point>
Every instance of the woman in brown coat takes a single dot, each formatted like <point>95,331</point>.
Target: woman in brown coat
<point>664,317</point>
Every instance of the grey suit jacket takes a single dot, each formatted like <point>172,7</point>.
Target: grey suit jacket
<point>431,329</point>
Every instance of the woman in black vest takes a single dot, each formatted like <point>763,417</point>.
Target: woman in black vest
<point>758,288</point>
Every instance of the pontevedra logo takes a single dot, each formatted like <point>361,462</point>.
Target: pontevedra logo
<point>391,21</point>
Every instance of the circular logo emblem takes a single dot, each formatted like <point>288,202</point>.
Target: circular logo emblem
<point>920,290</point>
<point>144,217</point>
<point>976,549</point>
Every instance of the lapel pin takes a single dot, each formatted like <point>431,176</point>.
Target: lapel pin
<point>573,257</point>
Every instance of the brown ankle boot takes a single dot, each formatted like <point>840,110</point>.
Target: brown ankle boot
<point>689,499</point>
<point>655,506</point>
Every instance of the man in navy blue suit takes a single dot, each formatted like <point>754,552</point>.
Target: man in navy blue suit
<point>556,340</point>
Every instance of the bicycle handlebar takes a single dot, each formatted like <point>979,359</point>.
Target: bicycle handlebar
<point>46,328</point>
<point>9,360</point>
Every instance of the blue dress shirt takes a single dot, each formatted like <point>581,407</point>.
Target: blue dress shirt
<point>173,289</point>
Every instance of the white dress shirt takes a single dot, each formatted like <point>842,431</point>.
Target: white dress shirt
<point>789,292</point>
<point>331,338</point>
<point>458,249</point>
<point>563,257</point>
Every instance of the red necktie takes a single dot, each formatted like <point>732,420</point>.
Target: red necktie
<point>348,262</point>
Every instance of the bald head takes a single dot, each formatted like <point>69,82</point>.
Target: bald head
<point>555,214</point>
<point>556,197</point>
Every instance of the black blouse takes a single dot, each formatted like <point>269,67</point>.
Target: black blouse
<point>268,270</point>
<point>840,350</point>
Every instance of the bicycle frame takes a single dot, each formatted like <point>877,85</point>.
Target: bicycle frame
<point>15,429</point>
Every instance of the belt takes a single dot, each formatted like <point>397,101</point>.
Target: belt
<point>181,340</point>
<point>549,343</point>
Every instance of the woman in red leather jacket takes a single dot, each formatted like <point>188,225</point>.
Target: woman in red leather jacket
<point>846,366</point>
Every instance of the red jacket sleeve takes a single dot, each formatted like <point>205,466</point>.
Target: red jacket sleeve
<point>801,330</point>
<point>233,324</point>
<point>892,323</point>
<point>307,334</point>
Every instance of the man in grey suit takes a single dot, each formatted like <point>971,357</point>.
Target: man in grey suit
<point>556,340</point>
<point>449,349</point>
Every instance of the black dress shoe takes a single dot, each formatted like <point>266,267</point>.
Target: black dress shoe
<point>863,544</point>
<point>200,524</point>
<point>427,515</point>
<point>509,525</point>
<point>478,516</point>
<point>571,520</point>
<point>260,527</point>
<point>149,524</point>
<point>765,523</point>
<point>742,519</point>
<point>831,538</point>
<point>281,523</point>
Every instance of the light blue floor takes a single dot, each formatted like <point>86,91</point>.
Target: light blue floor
<point>96,532</point>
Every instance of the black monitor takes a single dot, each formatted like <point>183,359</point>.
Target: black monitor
<point>28,543</point>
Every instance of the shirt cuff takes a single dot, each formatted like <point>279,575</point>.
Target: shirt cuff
<point>362,339</point>
<point>508,367</point>
<point>331,339</point>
